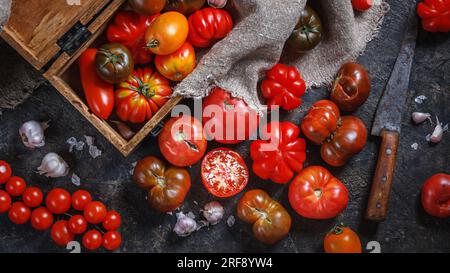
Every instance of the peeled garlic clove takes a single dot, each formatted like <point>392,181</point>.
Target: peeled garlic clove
<point>53,166</point>
<point>185,225</point>
<point>32,134</point>
<point>419,117</point>
<point>213,212</point>
<point>217,3</point>
<point>438,132</point>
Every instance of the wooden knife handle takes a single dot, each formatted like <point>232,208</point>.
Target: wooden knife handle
<point>382,181</point>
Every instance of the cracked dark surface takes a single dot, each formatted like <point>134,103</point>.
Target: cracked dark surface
<point>407,228</point>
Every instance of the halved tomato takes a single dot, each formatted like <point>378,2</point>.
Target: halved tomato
<point>224,172</point>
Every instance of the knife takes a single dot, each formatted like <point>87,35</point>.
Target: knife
<point>387,123</point>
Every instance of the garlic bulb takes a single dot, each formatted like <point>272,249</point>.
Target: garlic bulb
<point>185,225</point>
<point>418,117</point>
<point>32,134</point>
<point>53,166</point>
<point>213,212</point>
<point>218,4</point>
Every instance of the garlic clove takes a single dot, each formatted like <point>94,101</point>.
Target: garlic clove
<point>185,225</point>
<point>213,212</point>
<point>32,134</point>
<point>419,117</point>
<point>53,166</point>
<point>438,132</point>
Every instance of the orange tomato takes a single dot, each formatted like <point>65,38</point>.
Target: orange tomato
<point>167,33</point>
<point>178,65</point>
<point>342,240</point>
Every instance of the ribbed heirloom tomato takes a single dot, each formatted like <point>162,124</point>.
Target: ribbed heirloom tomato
<point>316,194</point>
<point>436,195</point>
<point>167,33</point>
<point>280,154</point>
<point>227,119</point>
<point>182,141</point>
<point>435,15</point>
<point>321,121</point>
<point>167,186</point>
<point>224,172</point>
<point>271,222</point>
<point>142,95</point>
<point>178,65</point>
<point>208,25</point>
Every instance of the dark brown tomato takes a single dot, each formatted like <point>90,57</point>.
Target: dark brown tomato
<point>167,186</point>
<point>147,7</point>
<point>185,6</point>
<point>114,62</point>
<point>307,33</point>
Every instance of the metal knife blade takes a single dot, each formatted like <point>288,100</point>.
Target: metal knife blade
<point>390,107</point>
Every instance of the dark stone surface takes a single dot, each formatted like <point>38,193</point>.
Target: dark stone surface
<point>407,229</point>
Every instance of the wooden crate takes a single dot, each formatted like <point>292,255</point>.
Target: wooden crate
<point>51,35</point>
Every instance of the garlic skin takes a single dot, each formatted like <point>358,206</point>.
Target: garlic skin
<point>53,166</point>
<point>218,4</point>
<point>213,212</point>
<point>32,134</point>
<point>185,225</point>
<point>419,117</point>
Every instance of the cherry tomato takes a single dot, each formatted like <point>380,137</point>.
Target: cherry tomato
<point>342,240</point>
<point>112,220</point>
<point>224,172</point>
<point>99,94</point>
<point>227,119</point>
<point>362,5</point>
<point>58,201</point>
<point>147,7</point>
<point>95,212</point>
<point>61,234</point>
<point>5,201</point>
<point>16,186</point>
<point>92,240</point>
<point>178,65</point>
<point>182,141</point>
<point>436,195</point>
<point>5,172</point>
<point>80,199</point>
<point>19,213</point>
<point>167,33</point>
<point>77,224</point>
<point>41,219</point>
<point>112,240</point>
<point>32,197</point>
<point>316,194</point>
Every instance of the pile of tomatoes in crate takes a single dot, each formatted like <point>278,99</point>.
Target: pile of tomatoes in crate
<point>149,47</point>
<point>66,215</point>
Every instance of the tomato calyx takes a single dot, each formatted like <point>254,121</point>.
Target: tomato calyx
<point>338,229</point>
<point>263,214</point>
<point>318,193</point>
<point>153,44</point>
<point>112,58</point>
<point>143,88</point>
<point>181,137</point>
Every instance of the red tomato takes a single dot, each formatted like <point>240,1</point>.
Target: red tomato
<point>283,87</point>
<point>316,194</point>
<point>15,186</point>
<point>58,201</point>
<point>5,172</point>
<point>92,240</point>
<point>228,120</point>
<point>224,172</point>
<point>342,240</point>
<point>5,201</point>
<point>128,29</point>
<point>112,220</point>
<point>19,213</point>
<point>321,121</point>
<point>41,219</point>
<point>178,65</point>
<point>77,224</point>
<point>182,141</point>
<point>281,154</point>
<point>142,95</point>
<point>99,94</point>
<point>112,240</point>
<point>435,15</point>
<point>95,212</point>
<point>61,234</point>
<point>436,195</point>
<point>362,5</point>
<point>80,199</point>
<point>208,25</point>
<point>32,197</point>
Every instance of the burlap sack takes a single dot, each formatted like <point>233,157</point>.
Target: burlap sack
<point>256,44</point>
<point>5,6</point>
